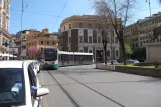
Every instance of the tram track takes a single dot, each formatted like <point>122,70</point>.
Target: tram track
<point>116,102</point>
<point>75,103</point>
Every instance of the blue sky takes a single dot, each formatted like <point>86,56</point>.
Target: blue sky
<point>50,9</point>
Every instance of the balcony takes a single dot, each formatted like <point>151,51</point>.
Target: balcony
<point>23,43</point>
<point>17,40</point>
<point>24,51</point>
<point>5,32</point>
<point>23,54</point>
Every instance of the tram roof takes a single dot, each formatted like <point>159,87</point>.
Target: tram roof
<point>75,53</point>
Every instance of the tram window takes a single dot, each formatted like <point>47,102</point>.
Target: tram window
<point>89,57</point>
<point>62,57</point>
<point>72,58</point>
<point>66,57</point>
<point>69,57</point>
<point>75,57</point>
<point>59,57</point>
<point>84,57</point>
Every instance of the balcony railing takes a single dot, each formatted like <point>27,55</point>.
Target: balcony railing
<point>24,51</point>
<point>5,32</point>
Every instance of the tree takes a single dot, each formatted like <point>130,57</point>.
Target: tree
<point>139,54</point>
<point>102,30</point>
<point>128,49</point>
<point>118,13</point>
<point>32,51</point>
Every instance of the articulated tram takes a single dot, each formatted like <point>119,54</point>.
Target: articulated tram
<point>53,58</point>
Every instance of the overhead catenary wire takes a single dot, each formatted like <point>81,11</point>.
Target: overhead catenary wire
<point>43,14</point>
<point>59,16</point>
<point>62,10</point>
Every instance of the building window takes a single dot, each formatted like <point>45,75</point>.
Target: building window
<point>116,39</point>
<point>90,51</point>
<point>80,39</point>
<point>99,39</point>
<point>47,42</point>
<point>89,25</point>
<point>69,39</point>
<point>69,26</point>
<point>131,30</point>
<point>156,21</point>
<point>108,53</point>
<point>4,23</point>
<point>117,53</point>
<point>41,42</point>
<point>80,25</point>
<point>90,39</point>
<point>53,42</point>
<point>64,27</point>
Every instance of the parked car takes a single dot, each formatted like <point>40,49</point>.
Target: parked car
<point>19,85</point>
<point>114,62</point>
<point>132,61</point>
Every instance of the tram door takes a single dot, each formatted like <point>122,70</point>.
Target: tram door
<point>81,59</point>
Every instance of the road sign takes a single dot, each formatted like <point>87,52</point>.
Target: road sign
<point>13,50</point>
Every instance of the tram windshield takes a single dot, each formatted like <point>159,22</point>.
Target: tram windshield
<point>50,54</point>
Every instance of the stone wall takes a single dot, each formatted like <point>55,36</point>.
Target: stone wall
<point>131,70</point>
<point>153,52</point>
<point>139,71</point>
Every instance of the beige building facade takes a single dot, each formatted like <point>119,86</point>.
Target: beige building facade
<point>39,40</point>
<point>81,34</point>
<point>139,34</point>
<point>20,42</point>
<point>4,27</point>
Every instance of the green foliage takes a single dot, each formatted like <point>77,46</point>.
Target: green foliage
<point>128,48</point>
<point>139,54</point>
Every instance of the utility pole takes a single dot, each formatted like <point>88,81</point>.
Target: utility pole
<point>150,16</point>
<point>21,28</point>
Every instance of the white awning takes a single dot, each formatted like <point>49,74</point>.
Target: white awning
<point>9,55</point>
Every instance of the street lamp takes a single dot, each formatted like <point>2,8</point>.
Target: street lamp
<point>150,14</point>
<point>21,24</point>
<point>149,7</point>
<point>21,29</point>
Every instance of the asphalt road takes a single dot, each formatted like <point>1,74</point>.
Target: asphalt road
<point>91,87</point>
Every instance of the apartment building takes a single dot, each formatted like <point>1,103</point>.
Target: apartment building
<point>4,27</point>
<point>42,39</point>
<point>140,33</point>
<point>81,34</point>
<point>20,41</point>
